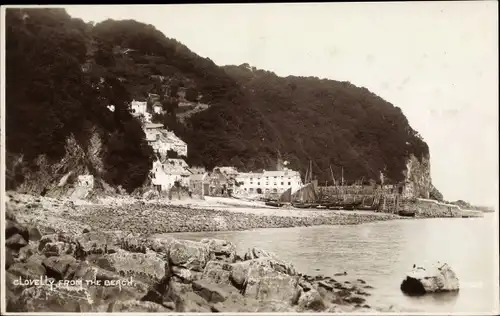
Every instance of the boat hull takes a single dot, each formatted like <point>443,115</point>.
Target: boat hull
<point>406,213</point>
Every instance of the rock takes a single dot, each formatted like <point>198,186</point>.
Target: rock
<point>12,228</point>
<point>9,258</point>
<point>134,243</point>
<point>325,285</point>
<point>209,291</point>
<point>256,253</point>
<point>306,286</point>
<point>189,254</point>
<point>273,307</point>
<point>148,268</point>
<point>134,306</point>
<point>311,300</point>
<point>12,291</point>
<point>56,267</point>
<point>265,283</point>
<point>30,270</point>
<point>99,242</point>
<point>160,245</point>
<point>220,249</point>
<point>59,299</point>
<point>235,303</point>
<point>28,251</point>
<point>186,275</point>
<point>57,248</point>
<point>355,300</point>
<point>16,242</point>
<point>433,278</point>
<point>190,302</point>
<point>34,233</point>
<point>218,272</point>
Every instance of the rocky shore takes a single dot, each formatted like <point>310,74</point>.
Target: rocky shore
<point>150,218</point>
<point>69,262</point>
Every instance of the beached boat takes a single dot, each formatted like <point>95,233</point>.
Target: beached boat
<point>274,203</point>
<point>407,213</point>
<point>366,208</point>
<point>301,205</point>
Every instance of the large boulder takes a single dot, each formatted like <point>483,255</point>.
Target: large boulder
<point>433,278</point>
<point>268,281</point>
<point>99,242</point>
<point>256,253</point>
<point>311,300</point>
<point>220,249</point>
<point>135,306</point>
<point>146,267</point>
<point>218,272</point>
<point>189,254</point>
<point>56,299</point>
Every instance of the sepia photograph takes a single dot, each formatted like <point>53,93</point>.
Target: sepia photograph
<point>288,158</point>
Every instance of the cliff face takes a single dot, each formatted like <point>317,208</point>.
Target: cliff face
<point>55,179</point>
<point>418,177</point>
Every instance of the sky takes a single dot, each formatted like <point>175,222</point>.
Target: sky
<point>437,61</point>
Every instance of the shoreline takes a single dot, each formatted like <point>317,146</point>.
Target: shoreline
<point>152,217</point>
<point>53,238</point>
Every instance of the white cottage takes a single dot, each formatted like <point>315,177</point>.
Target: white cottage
<point>166,172</point>
<point>269,182</point>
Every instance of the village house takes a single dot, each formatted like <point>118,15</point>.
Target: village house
<point>229,171</point>
<point>198,170</point>
<point>157,108</point>
<point>219,184</point>
<point>269,182</point>
<point>86,181</point>
<point>162,140</point>
<point>138,107</point>
<point>166,172</point>
<point>199,184</point>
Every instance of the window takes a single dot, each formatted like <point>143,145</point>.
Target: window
<point>275,177</point>
<point>259,190</point>
<point>281,183</point>
<point>251,190</point>
<point>289,183</point>
<point>258,183</point>
<point>275,183</point>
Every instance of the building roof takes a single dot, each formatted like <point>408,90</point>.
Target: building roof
<point>153,126</point>
<point>175,162</point>
<point>280,173</point>
<point>228,170</point>
<point>198,176</point>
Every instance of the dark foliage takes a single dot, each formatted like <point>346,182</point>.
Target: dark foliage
<point>253,113</point>
<point>307,119</point>
<point>49,96</point>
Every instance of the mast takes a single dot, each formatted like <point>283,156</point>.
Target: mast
<point>310,172</point>
<point>342,176</point>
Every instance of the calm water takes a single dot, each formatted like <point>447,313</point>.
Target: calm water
<point>381,253</point>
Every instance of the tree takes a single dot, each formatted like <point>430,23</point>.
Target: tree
<point>191,95</point>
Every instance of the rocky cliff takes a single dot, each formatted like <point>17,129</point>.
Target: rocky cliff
<point>418,181</point>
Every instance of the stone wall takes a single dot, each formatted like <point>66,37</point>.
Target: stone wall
<point>430,208</point>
